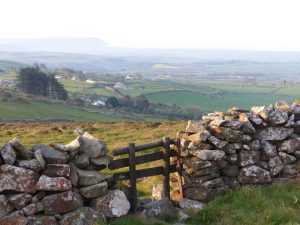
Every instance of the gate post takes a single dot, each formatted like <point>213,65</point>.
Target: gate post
<point>132,171</point>
<point>166,166</point>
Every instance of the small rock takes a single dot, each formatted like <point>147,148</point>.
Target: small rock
<point>159,208</point>
<point>246,158</point>
<point>51,156</point>
<point>73,175</point>
<point>20,149</point>
<point>195,163</point>
<point>18,201</point>
<point>209,154</point>
<point>94,191</point>
<point>290,146</point>
<point>255,120</point>
<point>39,157</point>
<point>32,164</point>
<point>201,136</point>
<point>232,135</point>
<point>231,148</point>
<point>262,111</point>
<point>8,154</point>
<point>86,178</point>
<point>191,206</point>
<point>57,170</point>
<point>15,218</point>
<point>182,216</point>
<point>274,133</point>
<point>194,127</point>
<point>254,145</point>
<point>82,161</point>
<point>286,159</point>
<point>268,149</point>
<point>44,220</point>
<point>61,203</point>
<point>53,184</point>
<point>216,142</point>
<point>254,175</point>
<point>92,146</point>
<point>112,205</point>
<point>73,145</point>
<point>33,208</point>
<point>278,117</point>
<point>83,216</point>
<point>214,183</point>
<point>275,165</point>
<point>5,206</point>
<point>101,162</point>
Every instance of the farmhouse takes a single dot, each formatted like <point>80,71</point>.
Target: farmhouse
<point>90,81</point>
<point>121,85</point>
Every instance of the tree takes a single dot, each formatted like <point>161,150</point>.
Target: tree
<point>112,102</point>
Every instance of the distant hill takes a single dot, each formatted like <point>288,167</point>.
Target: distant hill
<point>5,65</point>
<point>68,45</point>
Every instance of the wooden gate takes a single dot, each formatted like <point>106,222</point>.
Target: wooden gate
<point>133,174</point>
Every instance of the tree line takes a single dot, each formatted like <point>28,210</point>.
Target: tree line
<point>34,81</point>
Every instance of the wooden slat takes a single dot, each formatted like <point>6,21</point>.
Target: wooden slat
<point>166,167</point>
<point>120,163</point>
<point>132,171</point>
<point>139,148</point>
<point>144,173</point>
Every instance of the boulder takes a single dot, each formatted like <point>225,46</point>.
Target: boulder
<point>61,203</point>
<point>83,216</point>
<point>5,206</point>
<point>191,206</point>
<point>57,170</point>
<point>15,218</point>
<point>114,204</point>
<point>17,179</point>
<point>18,201</point>
<point>33,208</point>
<point>246,158</point>
<point>290,146</point>
<point>210,155</point>
<point>31,164</point>
<point>274,133</point>
<point>51,156</point>
<point>53,184</point>
<point>8,154</point>
<point>92,146</point>
<point>89,177</point>
<point>94,191</point>
<point>254,175</point>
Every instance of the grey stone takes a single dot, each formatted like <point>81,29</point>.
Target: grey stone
<point>278,117</point>
<point>44,220</point>
<point>57,170</point>
<point>194,126</point>
<point>18,201</point>
<point>231,148</point>
<point>216,142</point>
<point>233,124</point>
<point>61,203</point>
<point>255,120</point>
<point>231,171</point>
<point>94,191</point>
<point>82,161</point>
<point>288,171</point>
<point>286,159</point>
<point>73,175</point>
<point>86,178</point>
<point>232,159</point>
<point>246,158</point>
<point>39,157</point>
<point>191,206</point>
<point>200,136</point>
<point>5,206</point>
<point>20,149</point>
<point>14,218</point>
<point>8,154</point>
<point>53,184</point>
<point>33,208</point>
<point>32,164</point>
<point>268,149</point>
<point>232,135</point>
<point>234,183</point>
<point>159,208</point>
<point>254,145</point>
<point>275,165</point>
<point>17,179</point>
<point>51,156</point>
<point>254,175</point>
<point>274,133</point>
<point>195,163</point>
<point>210,155</point>
<point>83,216</point>
<point>290,146</point>
<point>204,171</point>
<point>92,146</point>
<point>262,111</point>
<point>214,183</point>
<point>114,204</point>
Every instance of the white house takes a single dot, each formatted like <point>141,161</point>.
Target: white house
<point>121,85</point>
<point>90,81</point>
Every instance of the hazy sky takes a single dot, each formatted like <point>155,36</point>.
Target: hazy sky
<point>206,24</point>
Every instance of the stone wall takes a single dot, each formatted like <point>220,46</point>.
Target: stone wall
<point>58,184</point>
<point>240,147</point>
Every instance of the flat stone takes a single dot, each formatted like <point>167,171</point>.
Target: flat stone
<point>191,206</point>
<point>231,148</point>
<point>17,179</point>
<point>33,208</point>
<point>73,175</point>
<point>194,126</point>
<point>20,149</point>
<point>216,142</point>
<point>246,158</point>
<point>203,194</point>
<point>262,111</point>
<point>44,220</point>
<point>214,183</point>
<point>202,179</point>
<point>290,146</point>
<point>286,159</point>
<point>268,149</point>
<point>51,156</point>
<point>8,154</point>
<point>254,175</point>
<point>94,191</point>
<point>163,207</point>
<point>57,170</point>
<point>31,164</point>
<point>200,136</point>
<point>274,133</point>
<point>18,201</point>
<point>61,203</point>
<point>15,218</point>
<point>195,163</point>
<point>82,161</point>
<point>92,146</point>
<point>53,184</point>
<point>231,171</point>
<point>275,165</point>
<point>210,155</point>
<point>89,177</point>
<point>254,145</point>
<point>278,117</point>
<point>232,135</point>
<point>114,204</point>
<point>39,157</point>
<point>83,216</point>
<point>203,172</point>
<point>5,206</point>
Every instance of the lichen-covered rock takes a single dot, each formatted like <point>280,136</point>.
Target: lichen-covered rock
<point>254,175</point>
<point>8,154</point>
<point>20,149</point>
<point>278,117</point>
<point>39,157</point>
<point>114,204</point>
<point>92,146</point>
<point>262,111</point>
<point>246,158</point>
<point>17,179</point>
<point>163,207</point>
<point>216,142</point>
<point>195,163</point>
<point>61,203</point>
<point>18,201</point>
<point>5,206</point>
<point>32,164</point>
<point>275,165</point>
<point>286,159</point>
<point>86,178</point>
<point>57,170</point>
<point>33,208</point>
<point>194,126</point>
<point>274,133</point>
<point>82,161</point>
<point>14,218</point>
<point>94,191</point>
<point>44,220</point>
<point>290,146</point>
<point>232,135</point>
<point>230,171</point>
<point>83,216</point>
<point>208,154</point>
<point>268,149</point>
<point>232,148</point>
<point>191,206</point>
<point>73,175</point>
<point>203,194</point>
<point>254,145</point>
<point>53,184</point>
<point>51,156</point>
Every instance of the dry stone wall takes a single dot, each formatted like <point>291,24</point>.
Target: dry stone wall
<point>240,147</point>
<point>58,184</point>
